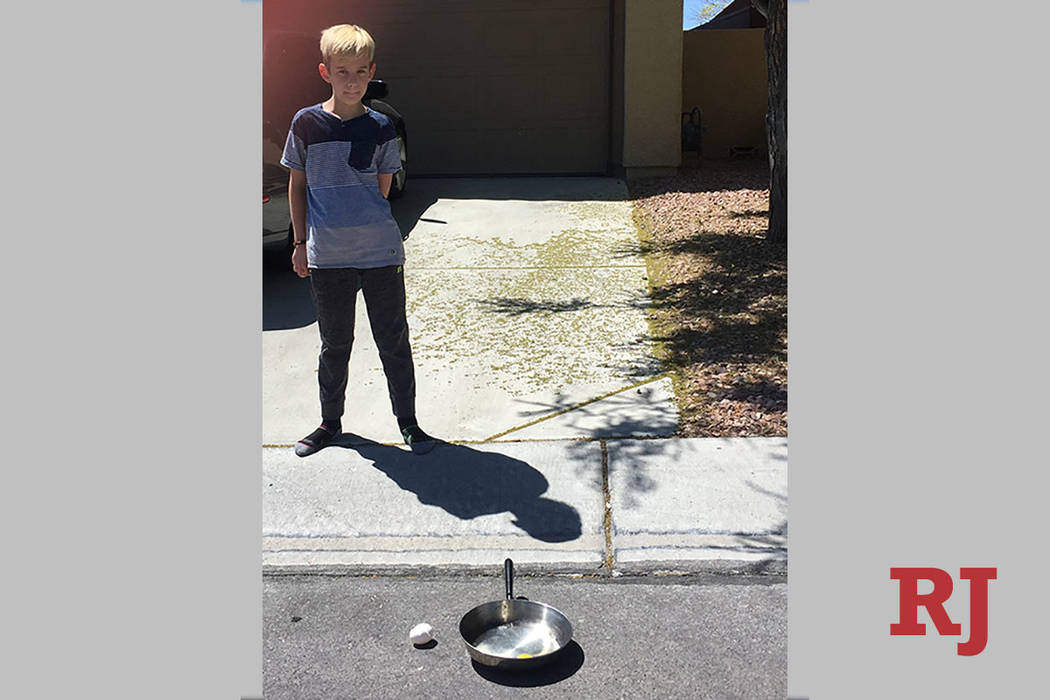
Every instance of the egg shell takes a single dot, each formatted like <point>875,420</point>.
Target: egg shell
<point>421,633</point>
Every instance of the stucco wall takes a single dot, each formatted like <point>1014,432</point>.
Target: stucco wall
<point>652,85</point>
<point>616,88</point>
<point>724,74</point>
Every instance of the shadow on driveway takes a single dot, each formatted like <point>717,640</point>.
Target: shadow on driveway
<point>468,483</point>
<point>286,301</point>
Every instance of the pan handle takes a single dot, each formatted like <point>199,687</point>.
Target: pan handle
<point>508,578</point>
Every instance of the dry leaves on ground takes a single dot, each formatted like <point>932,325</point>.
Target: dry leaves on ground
<point>719,311</point>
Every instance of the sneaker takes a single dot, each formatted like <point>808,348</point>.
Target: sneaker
<point>314,441</point>
<point>420,442</point>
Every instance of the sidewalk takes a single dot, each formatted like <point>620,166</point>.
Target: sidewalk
<point>559,505</point>
<point>528,310</point>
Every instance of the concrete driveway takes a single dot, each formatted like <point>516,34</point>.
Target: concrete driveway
<point>527,304</point>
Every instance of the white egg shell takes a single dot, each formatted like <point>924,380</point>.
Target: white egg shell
<point>421,633</point>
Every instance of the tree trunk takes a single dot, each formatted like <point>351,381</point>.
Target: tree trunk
<point>775,12</point>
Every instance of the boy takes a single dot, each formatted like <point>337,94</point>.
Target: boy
<point>342,157</point>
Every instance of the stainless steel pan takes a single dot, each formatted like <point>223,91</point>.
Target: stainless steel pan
<point>514,633</point>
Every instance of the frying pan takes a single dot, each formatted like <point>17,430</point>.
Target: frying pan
<point>514,633</point>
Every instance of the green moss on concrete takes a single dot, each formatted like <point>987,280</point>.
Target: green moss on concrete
<point>659,325</point>
<point>521,327</point>
<point>529,327</point>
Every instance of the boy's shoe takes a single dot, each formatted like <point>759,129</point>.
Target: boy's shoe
<point>420,442</point>
<point>314,441</point>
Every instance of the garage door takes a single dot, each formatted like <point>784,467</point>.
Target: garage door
<point>485,86</point>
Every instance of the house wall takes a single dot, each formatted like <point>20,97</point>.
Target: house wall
<point>652,86</point>
<point>724,74</point>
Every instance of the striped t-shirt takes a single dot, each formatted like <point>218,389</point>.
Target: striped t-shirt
<point>348,221</point>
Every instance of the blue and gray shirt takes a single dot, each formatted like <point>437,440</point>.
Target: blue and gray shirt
<point>348,221</point>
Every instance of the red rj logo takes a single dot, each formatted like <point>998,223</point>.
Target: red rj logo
<point>910,600</point>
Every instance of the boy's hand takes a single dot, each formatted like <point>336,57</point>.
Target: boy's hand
<point>299,261</point>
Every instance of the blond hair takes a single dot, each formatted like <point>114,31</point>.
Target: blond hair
<point>346,40</point>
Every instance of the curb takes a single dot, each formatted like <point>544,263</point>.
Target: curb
<point>772,571</point>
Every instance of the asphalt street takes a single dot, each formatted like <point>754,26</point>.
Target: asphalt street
<point>346,636</point>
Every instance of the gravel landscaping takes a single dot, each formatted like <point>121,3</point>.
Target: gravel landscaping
<point>719,297</point>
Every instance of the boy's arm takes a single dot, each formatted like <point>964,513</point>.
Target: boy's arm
<point>385,180</point>
<point>297,205</point>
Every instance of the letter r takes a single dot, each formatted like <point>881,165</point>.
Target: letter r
<point>910,600</point>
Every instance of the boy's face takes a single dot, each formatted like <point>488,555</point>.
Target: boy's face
<point>348,76</point>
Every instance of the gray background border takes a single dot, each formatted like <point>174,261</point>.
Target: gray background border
<point>917,309</point>
<point>132,357</point>
<point>916,312</point>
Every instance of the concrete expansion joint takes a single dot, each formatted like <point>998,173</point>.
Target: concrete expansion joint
<point>576,406</point>
<point>607,496</point>
<point>489,441</point>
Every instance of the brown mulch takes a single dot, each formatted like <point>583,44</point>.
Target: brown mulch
<point>719,291</point>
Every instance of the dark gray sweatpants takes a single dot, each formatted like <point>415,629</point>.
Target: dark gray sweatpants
<point>335,295</point>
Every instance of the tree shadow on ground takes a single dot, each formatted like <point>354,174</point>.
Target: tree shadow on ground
<point>719,301</point>
<point>630,457</point>
<point>776,538</point>
<point>515,306</point>
<point>635,412</point>
<point>467,483</point>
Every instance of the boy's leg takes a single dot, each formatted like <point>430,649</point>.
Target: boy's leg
<point>335,295</point>
<point>384,292</point>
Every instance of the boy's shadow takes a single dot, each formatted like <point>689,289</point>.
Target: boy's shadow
<point>466,483</point>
